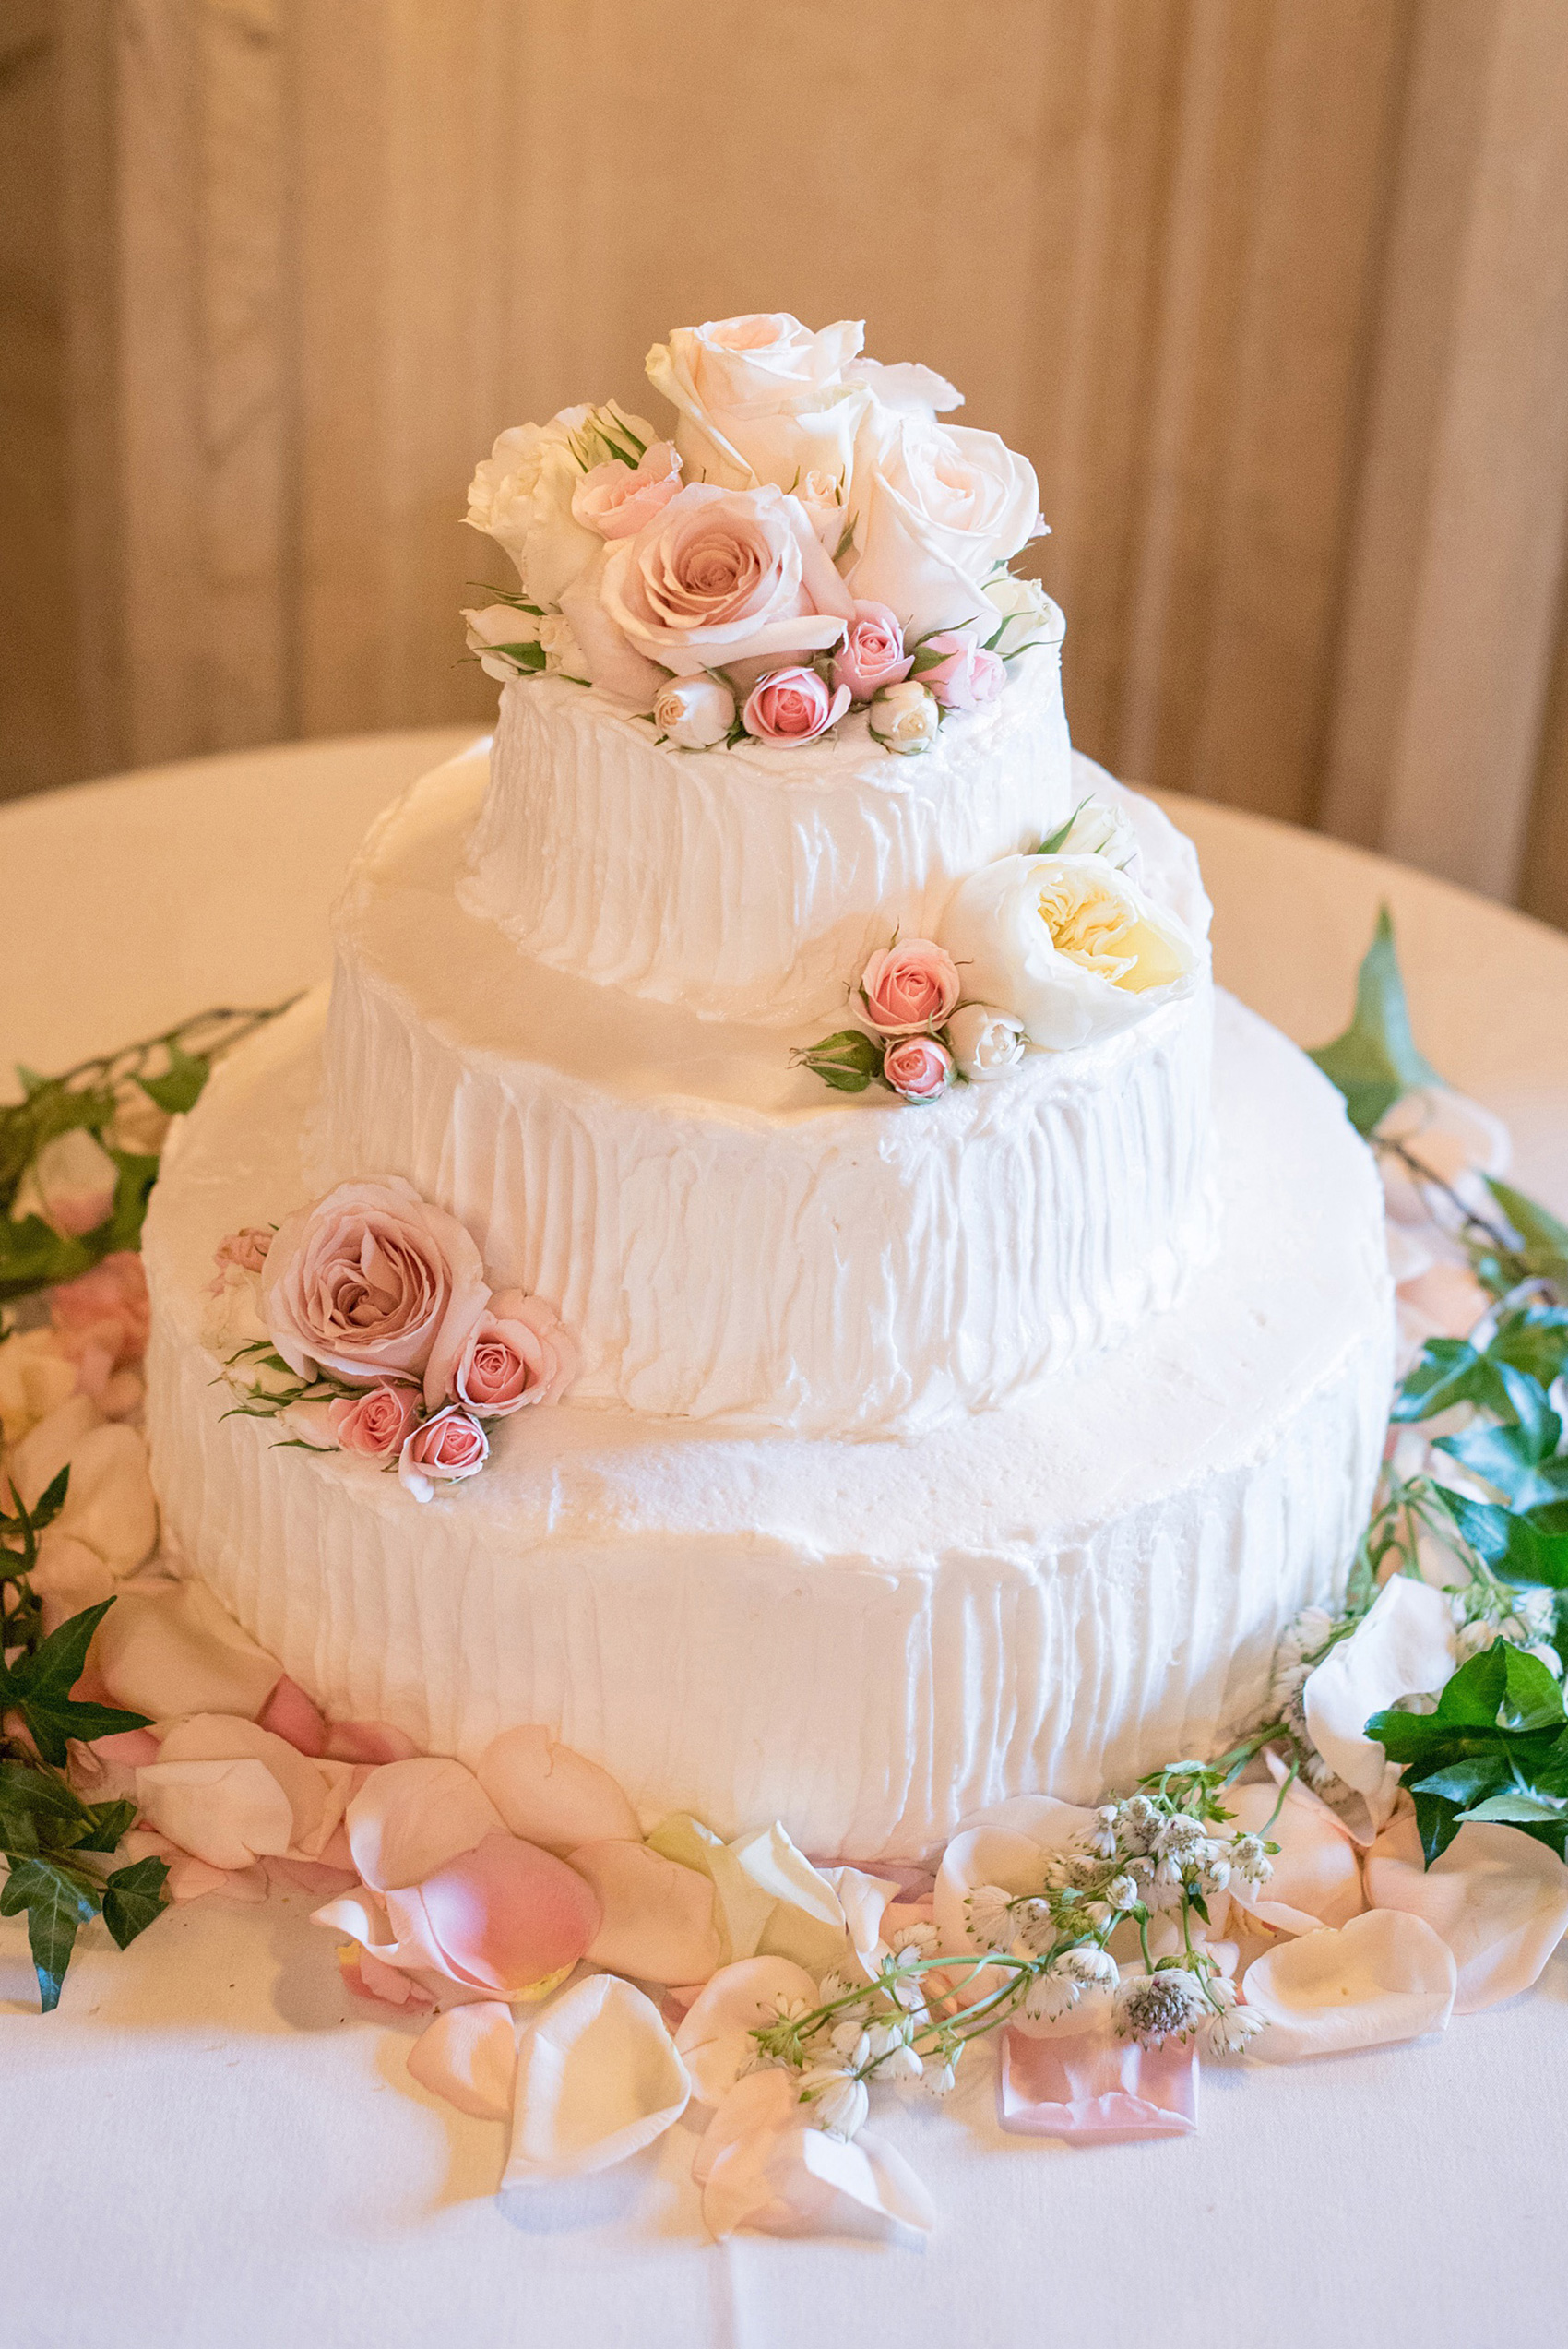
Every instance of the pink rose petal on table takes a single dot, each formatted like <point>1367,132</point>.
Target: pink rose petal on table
<point>505,1914</point>
<point>469,2057</point>
<point>1496,1897</point>
<point>977,1856</point>
<point>1403,1646</point>
<point>175,1650</point>
<point>656,1917</point>
<point>865,1899</point>
<point>368,1741</point>
<point>411,1818</point>
<point>598,2079</point>
<point>68,1577</point>
<point>1316,1876</point>
<point>1381,1978</point>
<point>290,1713</point>
<point>1090,2086</point>
<point>715,2042</point>
<point>319,1879</point>
<point>552,1796</point>
<point>369,1977</point>
<point>109,1505</point>
<point>1055,1827</point>
<point>228,1793</point>
<point>107,1307</point>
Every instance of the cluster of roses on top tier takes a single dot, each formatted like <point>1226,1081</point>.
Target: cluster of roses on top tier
<point>1053,950</point>
<point>367,1320</point>
<point>813,537</point>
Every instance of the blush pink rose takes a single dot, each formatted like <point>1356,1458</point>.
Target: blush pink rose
<point>919,1068</point>
<point>246,1249</point>
<point>376,1423</point>
<point>370,1282</point>
<point>872,654</point>
<point>965,675</point>
<point>519,1352</point>
<point>442,1450</point>
<point>720,575</point>
<point>792,706</point>
<point>616,500</point>
<point>909,986</point>
<point>105,1309</point>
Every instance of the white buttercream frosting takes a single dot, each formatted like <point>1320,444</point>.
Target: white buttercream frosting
<point>868,1638</point>
<point>749,883</point>
<point>726,1236</point>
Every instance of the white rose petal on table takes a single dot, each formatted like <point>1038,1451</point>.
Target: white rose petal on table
<point>1381,1978</point>
<point>598,2079</point>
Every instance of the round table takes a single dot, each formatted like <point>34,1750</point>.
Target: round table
<point>206,2144</point>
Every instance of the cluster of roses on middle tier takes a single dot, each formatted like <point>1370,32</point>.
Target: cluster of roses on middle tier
<point>366,1318</point>
<point>1053,950</point>
<point>812,538</point>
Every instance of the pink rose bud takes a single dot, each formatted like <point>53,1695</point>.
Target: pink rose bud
<point>794,706</point>
<point>245,1249</point>
<point>962,676</point>
<point>909,986</point>
<point>872,653</point>
<point>442,1450</point>
<point>374,1425</point>
<point>919,1068</point>
<point>517,1352</point>
<point>616,499</point>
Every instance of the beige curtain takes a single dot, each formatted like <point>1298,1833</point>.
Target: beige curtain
<point>1274,293</point>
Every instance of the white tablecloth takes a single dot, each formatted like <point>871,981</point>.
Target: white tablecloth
<point>207,2145</point>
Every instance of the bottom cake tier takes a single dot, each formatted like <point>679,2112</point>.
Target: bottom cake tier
<point>870,1638</point>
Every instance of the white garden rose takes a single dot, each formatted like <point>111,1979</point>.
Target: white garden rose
<point>762,398</point>
<point>985,1043</point>
<point>1025,612</point>
<point>1070,945</point>
<point>935,508</point>
<point>498,625</point>
<point>521,494</point>
<point>562,654</point>
<point>695,713</point>
<point>1098,828</point>
<point>905,718</point>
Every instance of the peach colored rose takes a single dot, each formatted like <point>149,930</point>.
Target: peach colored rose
<point>909,986</point>
<point>919,1068</point>
<point>376,1423</point>
<point>247,1250</point>
<point>442,1450</point>
<point>106,1308</point>
<point>872,653</point>
<point>935,508</point>
<point>723,576</point>
<point>616,499</point>
<point>792,706</point>
<point>371,1280</point>
<point>964,675</point>
<point>761,397</point>
<point>517,1352</point>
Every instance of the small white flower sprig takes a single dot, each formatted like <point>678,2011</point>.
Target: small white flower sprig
<point>1159,1850</point>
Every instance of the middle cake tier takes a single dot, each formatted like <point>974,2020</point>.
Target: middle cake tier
<point>728,1238</point>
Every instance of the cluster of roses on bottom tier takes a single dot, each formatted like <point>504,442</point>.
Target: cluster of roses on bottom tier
<point>1054,950</point>
<point>367,1319</point>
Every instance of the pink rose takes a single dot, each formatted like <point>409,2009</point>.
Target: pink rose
<point>105,1309</point>
<point>616,500</point>
<point>371,1280</point>
<point>376,1423</point>
<point>873,655</point>
<point>245,1249</point>
<point>919,1068</point>
<point>517,1352</point>
<point>442,1450</point>
<point>792,704</point>
<point>720,575</point>
<point>909,986</point>
<point>961,674</point>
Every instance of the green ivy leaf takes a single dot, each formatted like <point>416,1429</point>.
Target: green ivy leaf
<point>1519,1809</point>
<point>39,1811</point>
<point>1533,1339</point>
<point>179,1088</point>
<point>109,1824</point>
<point>1375,1062</point>
<point>1514,1461</point>
<point>1514,1548</point>
<point>59,1900</point>
<point>39,1686</point>
<point>133,1898</point>
<point>1545,1248</point>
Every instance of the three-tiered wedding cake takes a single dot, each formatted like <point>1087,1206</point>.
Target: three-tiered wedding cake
<point>963,1397</point>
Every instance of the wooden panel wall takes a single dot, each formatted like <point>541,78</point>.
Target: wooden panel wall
<point>1274,292</point>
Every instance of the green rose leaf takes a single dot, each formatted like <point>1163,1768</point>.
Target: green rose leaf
<point>849,1061</point>
<point>1375,1062</point>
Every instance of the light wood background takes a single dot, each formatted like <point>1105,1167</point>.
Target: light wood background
<point>1274,293</point>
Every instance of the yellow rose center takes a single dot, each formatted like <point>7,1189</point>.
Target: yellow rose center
<point>1096,926</point>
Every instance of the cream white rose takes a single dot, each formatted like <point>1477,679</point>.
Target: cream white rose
<point>762,398</point>
<point>521,495</point>
<point>905,718</point>
<point>562,654</point>
<point>506,640</point>
<point>985,1042</point>
<point>70,1184</point>
<point>695,713</point>
<point>1096,828</point>
<point>1067,944</point>
<point>935,508</point>
<point>1025,613</point>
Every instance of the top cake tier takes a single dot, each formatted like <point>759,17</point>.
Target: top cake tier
<point>748,883</point>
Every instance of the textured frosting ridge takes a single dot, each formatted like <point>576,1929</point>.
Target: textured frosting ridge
<point>727,1237</point>
<point>745,884</point>
<point>869,1639</point>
